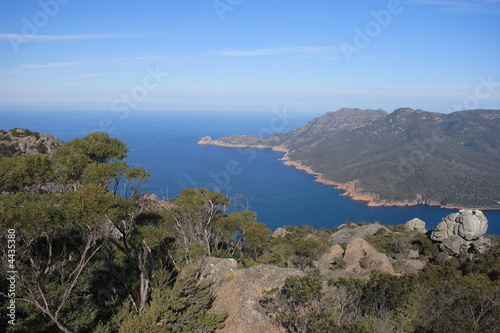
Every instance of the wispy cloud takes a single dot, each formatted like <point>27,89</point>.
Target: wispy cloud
<point>52,64</point>
<point>471,6</point>
<point>143,56</point>
<point>52,38</point>
<point>308,50</point>
<point>85,76</point>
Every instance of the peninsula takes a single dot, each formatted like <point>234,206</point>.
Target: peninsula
<point>404,158</point>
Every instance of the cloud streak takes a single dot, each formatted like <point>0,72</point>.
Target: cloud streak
<point>143,56</point>
<point>308,50</point>
<point>85,76</point>
<point>55,38</point>
<point>471,6</point>
<point>52,64</point>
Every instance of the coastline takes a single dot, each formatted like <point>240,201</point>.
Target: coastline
<point>351,189</point>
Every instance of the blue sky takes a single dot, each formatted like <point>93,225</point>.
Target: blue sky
<point>249,55</point>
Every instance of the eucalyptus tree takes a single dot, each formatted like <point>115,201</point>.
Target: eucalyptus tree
<point>59,235</point>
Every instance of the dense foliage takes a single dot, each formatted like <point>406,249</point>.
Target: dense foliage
<point>459,294</point>
<point>90,260</point>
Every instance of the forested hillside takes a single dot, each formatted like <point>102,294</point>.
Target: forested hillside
<point>406,157</point>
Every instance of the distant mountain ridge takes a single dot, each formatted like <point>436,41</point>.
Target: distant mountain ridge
<point>406,157</point>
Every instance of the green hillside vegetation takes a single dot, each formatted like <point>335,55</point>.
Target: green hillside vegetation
<point>408,156</point>
<point>438,299</point>
<point>93,254</point>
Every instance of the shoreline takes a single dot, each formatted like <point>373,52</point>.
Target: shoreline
<point>351,188</point>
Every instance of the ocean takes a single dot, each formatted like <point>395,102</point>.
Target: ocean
<point>165,144</point>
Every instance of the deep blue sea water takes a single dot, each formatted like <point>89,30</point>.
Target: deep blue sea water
<point>165,143</point>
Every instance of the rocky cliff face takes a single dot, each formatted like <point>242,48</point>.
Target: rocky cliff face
<point>20,141</point>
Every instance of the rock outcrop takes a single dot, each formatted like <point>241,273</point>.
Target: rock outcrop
<point>152,202</point>
<point>348,233</point>
<point>21,141</point>
<point>280,232</point>
<point>357,261</point>
<point>454,245</point>
<point>362,258</point>
<point>216,269</point>
<point>457,231</point>
<point>471,224</point>
<point>329,259</point>
<point>238,293</point>
<point>417,225</point>
<point>481,245</point>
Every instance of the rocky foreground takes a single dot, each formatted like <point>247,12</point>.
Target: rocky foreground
<point>239,291</point>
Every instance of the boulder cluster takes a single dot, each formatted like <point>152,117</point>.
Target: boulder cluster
<point>358,260</point>
<point>462,231</point>
<point>238,291</point>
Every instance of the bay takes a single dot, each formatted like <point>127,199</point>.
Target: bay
<point>165,143</point>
